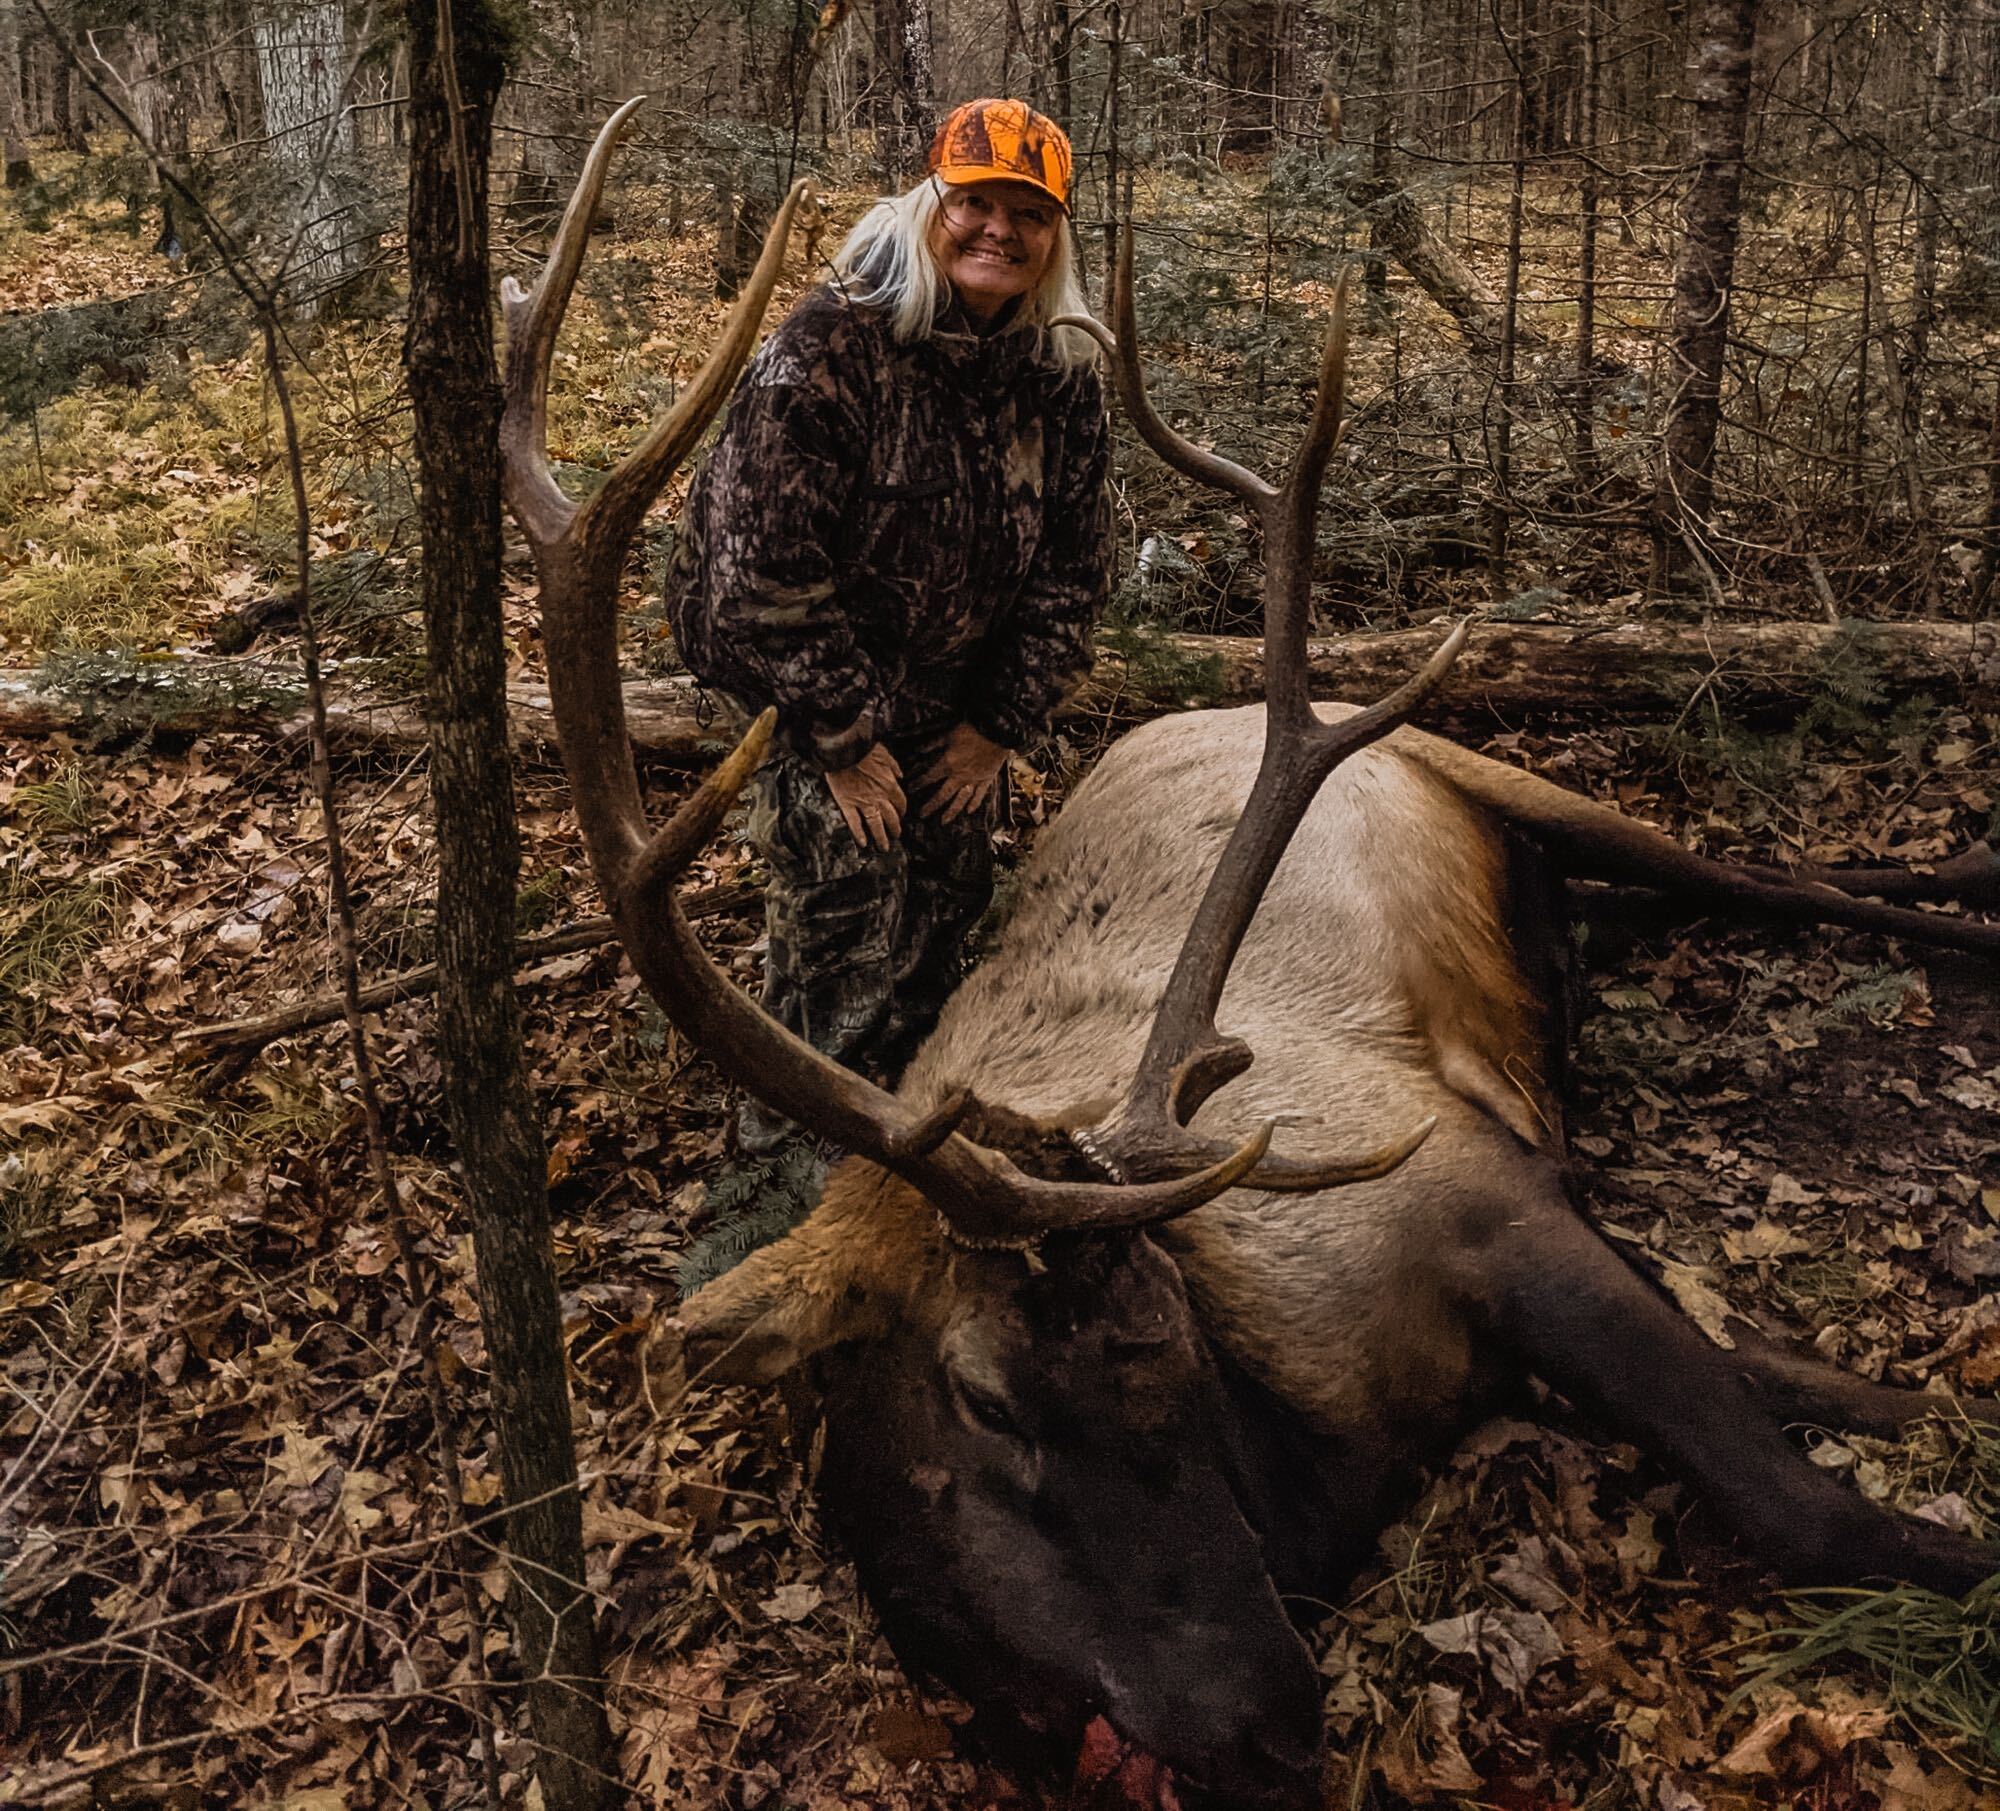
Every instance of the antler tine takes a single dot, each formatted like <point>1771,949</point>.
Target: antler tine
<point>1289,539</point>
<point>1123,350</point>
<point>1309,463</point>
<point>627,493</point>
<point>1282,1176</point>
<point>1186,1060</point>
<point>533,320</point>
<point>1334,741</point>
<point>580,550</point>
<point>749,1046</point>
<point>1033,1207</point>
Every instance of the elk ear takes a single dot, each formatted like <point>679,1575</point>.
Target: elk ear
<point>805,1292</point>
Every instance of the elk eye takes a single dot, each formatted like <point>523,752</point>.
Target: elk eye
<point>988,1409</point>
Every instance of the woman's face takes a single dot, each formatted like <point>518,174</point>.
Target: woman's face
<point>993,242</point>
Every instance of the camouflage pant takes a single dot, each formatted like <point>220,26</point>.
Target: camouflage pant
<point>866,944</point>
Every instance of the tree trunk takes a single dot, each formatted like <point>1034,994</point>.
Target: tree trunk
<point>742,220</point>
<point>545,109</point>
<point>72,108</point>
<point>1988,594</point>
<point>1895,390</point>
<point>1979,280</point>
<point>1499,520</point>
<point>1381,152</point>
<point>455,398</point>
<point>1398,228</point>
<point>1583,456</point>
<point>904,67</point>
<point>1766,671</point>
<point>1059,21</point>
<point>302,62</point>
<point>18,172</point>
<point>1703,273</point>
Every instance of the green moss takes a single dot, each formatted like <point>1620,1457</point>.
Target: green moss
<point>1159,665</point>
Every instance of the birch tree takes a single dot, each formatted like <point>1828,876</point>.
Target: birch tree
<point>302,60</point>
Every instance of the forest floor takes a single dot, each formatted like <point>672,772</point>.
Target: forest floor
<point>227,1548</point>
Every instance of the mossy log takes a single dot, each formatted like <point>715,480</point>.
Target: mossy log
<point>1764,673</point>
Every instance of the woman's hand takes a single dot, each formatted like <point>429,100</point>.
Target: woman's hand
<point>964,776</point>
<point>869,797</point>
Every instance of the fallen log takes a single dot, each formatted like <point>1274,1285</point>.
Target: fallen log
<point>1513,672</point>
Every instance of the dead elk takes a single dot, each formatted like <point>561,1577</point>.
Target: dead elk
<point>1102,1375</point>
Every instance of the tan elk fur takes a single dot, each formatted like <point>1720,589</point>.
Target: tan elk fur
<point>1376,985</point>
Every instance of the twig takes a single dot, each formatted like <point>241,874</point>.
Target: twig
<point>1817,572</point>
<point>246,1036</point>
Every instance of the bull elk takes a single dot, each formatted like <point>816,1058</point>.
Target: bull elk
<point>1143,1334</point>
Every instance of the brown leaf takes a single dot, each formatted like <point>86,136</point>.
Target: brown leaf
<point>908,1732</point>
<point>792,1603</point>
<point>1425,1757</point>
<point>1794,1741</point>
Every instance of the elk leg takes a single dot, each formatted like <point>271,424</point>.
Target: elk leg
<point>1797,1389</point>
<point>1579,1316</point>
<point>1620,852</point>
<point>1972,877</point>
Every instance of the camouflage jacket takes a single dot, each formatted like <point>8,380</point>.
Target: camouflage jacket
<point>888,540</point>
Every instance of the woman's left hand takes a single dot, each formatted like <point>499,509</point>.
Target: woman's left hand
<point>964,776</point>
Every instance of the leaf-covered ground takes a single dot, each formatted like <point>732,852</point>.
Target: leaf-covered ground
<point>232,1571</point>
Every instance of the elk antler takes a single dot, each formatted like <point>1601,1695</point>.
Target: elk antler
<point>1186,1059</point>
<point>580,551</point>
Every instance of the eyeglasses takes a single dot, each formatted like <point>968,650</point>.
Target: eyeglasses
<point>968,210</point>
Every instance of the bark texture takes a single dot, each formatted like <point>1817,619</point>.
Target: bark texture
<point>1763,672</point>
<point>458,59</point>
<point>1706,265</point>
<point>904,68</point>
<point>18,172</point>
<point>1397,228</point>
<point>302,62</point>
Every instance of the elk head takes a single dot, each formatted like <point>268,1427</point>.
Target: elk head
<point>1027,1447</point>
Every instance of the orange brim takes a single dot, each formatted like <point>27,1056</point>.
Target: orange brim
<point>962,175</point>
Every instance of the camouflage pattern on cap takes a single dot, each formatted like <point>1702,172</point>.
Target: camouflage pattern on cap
<point>1003,141</point>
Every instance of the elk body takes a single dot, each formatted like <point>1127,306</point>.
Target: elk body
<point>1102,1374</point>
<point>1048,1478</point>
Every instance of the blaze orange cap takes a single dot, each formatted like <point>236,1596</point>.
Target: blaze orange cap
<point>1003,141</point>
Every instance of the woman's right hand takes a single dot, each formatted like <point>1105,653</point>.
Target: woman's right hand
<point>869,798</point>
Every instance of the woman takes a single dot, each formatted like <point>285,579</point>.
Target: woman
<point>902,540</point>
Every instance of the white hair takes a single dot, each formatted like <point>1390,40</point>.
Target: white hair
<point>886,263</point>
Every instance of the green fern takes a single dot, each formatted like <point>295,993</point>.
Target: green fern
<point>754,1201</point>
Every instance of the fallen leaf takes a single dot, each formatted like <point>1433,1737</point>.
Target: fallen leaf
<point>300,1461</point>
<point>908,1732</point>
<point>239,937</point>
<point>1425,1757</point>
<point>1699,1300</point>
<point>792,1603</point>
<point>1794,1741</point>
<point>1513,1644</point>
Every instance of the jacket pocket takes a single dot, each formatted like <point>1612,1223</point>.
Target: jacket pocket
<point>912,541</point>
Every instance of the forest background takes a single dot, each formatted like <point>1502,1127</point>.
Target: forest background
<point>1677,360</point>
